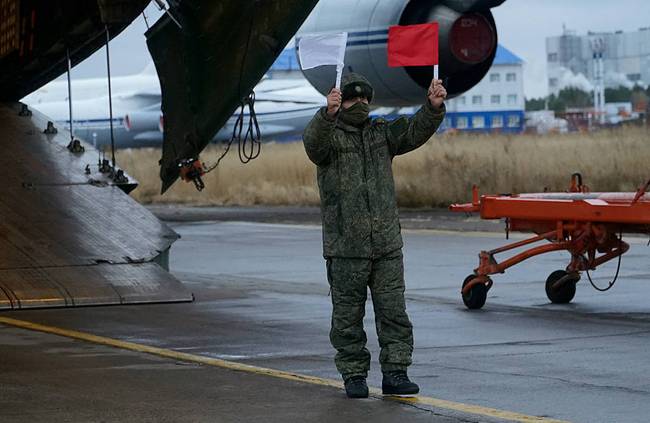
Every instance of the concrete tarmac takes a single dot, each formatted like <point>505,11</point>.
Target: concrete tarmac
<point>262,299</point>
<point>48,378</point>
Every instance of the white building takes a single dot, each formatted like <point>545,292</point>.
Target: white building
<point>497,103</point>
<point>626,56</point>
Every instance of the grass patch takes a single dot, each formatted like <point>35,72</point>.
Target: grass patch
<point>441,172</point>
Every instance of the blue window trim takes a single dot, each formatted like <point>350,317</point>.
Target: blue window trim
<point>487,116</point>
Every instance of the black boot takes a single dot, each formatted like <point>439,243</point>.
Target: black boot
<point>356,387</point>
<point>398,383</point>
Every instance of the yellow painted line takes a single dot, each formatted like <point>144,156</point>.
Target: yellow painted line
<point>230,365</point>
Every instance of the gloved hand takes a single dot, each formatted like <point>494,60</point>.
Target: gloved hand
<point>334,100</point>
<point>437,93</point>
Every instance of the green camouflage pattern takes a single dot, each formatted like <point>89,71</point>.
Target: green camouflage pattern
<point>355,178</point>
<point>349,280</point>
<point>361,231</point>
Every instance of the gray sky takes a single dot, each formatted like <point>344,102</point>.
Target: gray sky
<point>129,52</point>
<point>525,24</point>
<point>523,27</point>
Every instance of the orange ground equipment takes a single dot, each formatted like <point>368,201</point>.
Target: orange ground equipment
<point>192,170</point>
<point>589,226</point>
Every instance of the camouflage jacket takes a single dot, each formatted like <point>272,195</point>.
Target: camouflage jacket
<point>355,179</point>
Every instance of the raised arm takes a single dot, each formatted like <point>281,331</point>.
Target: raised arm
<point>318,134</point>
<point>406,135</point>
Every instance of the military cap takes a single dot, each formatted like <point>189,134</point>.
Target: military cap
<point>355,85</point>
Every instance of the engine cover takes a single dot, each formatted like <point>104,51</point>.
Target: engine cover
<point>467,45</point>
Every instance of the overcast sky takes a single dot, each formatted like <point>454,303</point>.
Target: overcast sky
<point>523,27</point>
<point>525,24</point>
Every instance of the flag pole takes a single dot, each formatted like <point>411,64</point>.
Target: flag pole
<point>339,74</point>
<point>341,62</point>
<point>436,68</point>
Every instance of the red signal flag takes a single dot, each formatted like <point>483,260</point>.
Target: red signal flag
<point>413,45</point>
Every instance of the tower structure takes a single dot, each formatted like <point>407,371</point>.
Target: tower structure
<point>598,49</point>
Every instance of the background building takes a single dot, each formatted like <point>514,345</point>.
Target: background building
<point>626,57</point>
<point>496,104</point>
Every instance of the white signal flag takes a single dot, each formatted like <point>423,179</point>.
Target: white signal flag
<point>323,49</point>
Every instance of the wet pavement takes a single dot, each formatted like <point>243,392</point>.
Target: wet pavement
<point>439,219</point>
<point>48,378</point>
<point>262,299</point>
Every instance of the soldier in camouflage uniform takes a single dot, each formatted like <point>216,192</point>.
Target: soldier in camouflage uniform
<point>361,231</point>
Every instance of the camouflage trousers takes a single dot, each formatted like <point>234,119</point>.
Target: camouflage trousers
<point>349,280</point>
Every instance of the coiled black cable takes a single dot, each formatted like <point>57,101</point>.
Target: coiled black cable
<point>250,146</point>
<point>618,269</point>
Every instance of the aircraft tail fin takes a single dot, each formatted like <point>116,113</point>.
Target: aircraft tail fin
<point>150,69</point>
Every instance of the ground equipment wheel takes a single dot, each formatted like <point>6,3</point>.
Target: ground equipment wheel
<point>563,293</point>
<point>476,297</point>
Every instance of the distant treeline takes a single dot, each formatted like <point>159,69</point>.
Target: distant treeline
<point>574,97</point>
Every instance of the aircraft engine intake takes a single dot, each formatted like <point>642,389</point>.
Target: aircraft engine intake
<point>143,121</point>
<point>467,44</point>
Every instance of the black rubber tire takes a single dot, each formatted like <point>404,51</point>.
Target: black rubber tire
<point>563,294</point>
<point>477,295</point>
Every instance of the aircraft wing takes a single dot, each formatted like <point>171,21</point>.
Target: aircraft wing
<point>69,233</point>
<point>271,85</point>
<point>70,236</point>
<point>142,101</point>
<point>213,60</point>
<point>304,94</point>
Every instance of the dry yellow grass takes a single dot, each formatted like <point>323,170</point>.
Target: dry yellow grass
<point>282,175</point>
<point>441,172</point>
